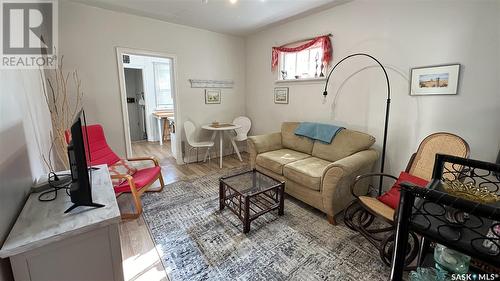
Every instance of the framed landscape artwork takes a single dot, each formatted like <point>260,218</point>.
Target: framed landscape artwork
<point>212,96</point>
<point>281,95</point>
<point>435,80</point>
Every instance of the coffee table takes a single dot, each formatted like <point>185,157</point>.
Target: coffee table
<point>251,194</point>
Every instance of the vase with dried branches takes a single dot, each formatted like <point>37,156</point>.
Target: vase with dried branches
<point>63,94</point>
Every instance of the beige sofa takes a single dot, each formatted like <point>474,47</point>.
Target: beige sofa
<point>316,173</point>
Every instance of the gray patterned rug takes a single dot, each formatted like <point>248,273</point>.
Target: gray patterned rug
<point>197,242</point>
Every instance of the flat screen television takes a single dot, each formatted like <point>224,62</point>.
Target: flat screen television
<point>81,175</point>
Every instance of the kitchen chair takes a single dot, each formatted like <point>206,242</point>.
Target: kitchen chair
<point>360,214</point>
<point>242,132</point>
<point>190,130</point>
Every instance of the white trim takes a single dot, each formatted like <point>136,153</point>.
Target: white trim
<point>303,80</point>
<point>123,95</point>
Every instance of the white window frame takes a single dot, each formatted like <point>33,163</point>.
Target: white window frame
<point>281,61</point>
<point>157,88</point>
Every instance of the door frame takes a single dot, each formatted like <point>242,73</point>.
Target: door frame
<point>123,95</point>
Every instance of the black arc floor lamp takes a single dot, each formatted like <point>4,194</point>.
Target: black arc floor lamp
<point>387,107</point>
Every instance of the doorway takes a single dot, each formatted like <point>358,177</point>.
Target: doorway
<point>149,103</point>
<point>136,105</point>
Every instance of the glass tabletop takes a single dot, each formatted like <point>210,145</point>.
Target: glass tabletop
<point>250,182</point>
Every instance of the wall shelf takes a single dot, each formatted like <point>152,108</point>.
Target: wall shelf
<point>301,80</point>
<point>198,83</point>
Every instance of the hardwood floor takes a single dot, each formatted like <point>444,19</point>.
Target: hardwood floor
<point>141,260</point>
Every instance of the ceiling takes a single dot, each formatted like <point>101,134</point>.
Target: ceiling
<point>240,18</point>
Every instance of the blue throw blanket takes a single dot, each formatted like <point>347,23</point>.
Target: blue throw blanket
<point>318,131</point>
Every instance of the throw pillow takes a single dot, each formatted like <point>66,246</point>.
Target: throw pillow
<point>391,197</point>
<point>122,167</point>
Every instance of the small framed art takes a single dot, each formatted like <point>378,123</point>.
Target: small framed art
<point>212,96</point>
<point>435,80</point>
<point>281,95</point>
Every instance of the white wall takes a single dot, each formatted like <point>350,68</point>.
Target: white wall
<point>24,136</point>
<point>89,36</point>
<point>402,34</point>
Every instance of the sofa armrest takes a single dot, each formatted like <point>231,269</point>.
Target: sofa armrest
<point>339,175</point>
<point>262,143</point>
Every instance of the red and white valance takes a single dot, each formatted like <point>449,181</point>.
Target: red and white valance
<point>323,41</point>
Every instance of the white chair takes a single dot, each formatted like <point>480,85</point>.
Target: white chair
<point>190,129</point>
<point>242,132</point>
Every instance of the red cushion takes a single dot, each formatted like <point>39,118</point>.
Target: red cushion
<point>391,197</point>
<point>142,178</point>
<point>100,152</point>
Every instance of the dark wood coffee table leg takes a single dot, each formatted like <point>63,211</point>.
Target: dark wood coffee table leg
<point>281,209</point>
<point>221,195</point>
<point>246,218</point>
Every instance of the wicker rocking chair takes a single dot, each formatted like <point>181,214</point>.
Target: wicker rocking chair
<point>361,214</point>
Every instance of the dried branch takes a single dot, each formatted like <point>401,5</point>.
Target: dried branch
<point>64,99</point>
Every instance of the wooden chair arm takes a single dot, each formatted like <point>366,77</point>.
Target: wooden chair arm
<point>129,179</point>
<point>360,177</point>
<point>155,161</point>
<point>121,176</point>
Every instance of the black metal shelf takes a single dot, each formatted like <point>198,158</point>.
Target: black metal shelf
<point>452,221</point>
<point>429,219</point>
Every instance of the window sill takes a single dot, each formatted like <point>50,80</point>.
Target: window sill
<point>301,80</point>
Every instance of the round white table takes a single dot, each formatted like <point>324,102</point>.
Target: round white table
<point>221,130</point>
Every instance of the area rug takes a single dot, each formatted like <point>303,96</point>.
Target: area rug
<point>198,242</point>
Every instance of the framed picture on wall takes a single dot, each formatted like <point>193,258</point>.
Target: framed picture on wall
<point>281,95</point>
<point>435,80</point>
<point>212,96</point>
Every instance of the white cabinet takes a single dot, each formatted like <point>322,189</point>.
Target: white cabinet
<point>46,244</point>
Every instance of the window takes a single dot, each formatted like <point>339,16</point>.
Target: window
<point>304,64</point>
<point>163,86</point>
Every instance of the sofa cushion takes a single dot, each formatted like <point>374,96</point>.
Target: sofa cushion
<point>307,172</point>
<point>345,143</point>
<point>290,140</point>
<point>276,159</point>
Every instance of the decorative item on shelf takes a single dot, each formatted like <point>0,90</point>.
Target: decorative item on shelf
<point>284,74</point>
<point>493,241</point>
<point>297,76</point>
<point>435,80</point>
<point>212,96</point>
<point>449,261</point>
<point>387,106</point>
<point>198,83</point>
<point>425,274</point>
<point>470,191</point>
<point>281,95</point>
<point>316,59</point>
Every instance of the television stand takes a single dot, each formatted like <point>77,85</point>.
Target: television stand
<point>46,244</point>
<point>94,205</point>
